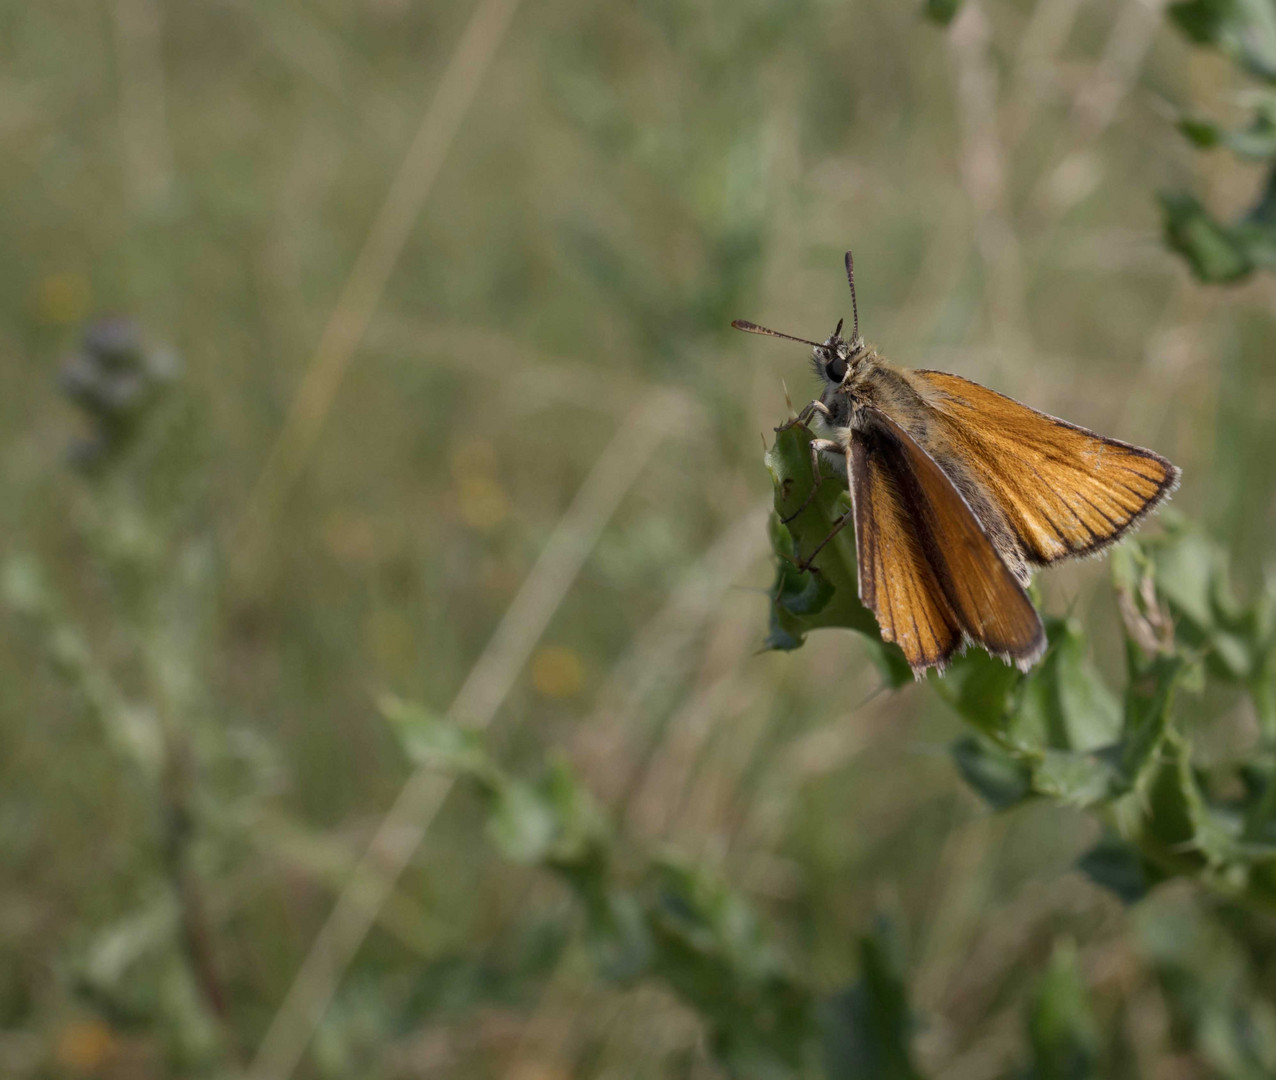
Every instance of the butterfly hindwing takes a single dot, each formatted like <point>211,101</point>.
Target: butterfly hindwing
<point>897,582</point>
<point>927,569</point>
<point>1063,490</point>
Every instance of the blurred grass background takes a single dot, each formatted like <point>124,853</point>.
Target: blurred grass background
<point>547,297</point>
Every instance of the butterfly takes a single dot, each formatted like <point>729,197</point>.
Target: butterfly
<point>958,493</point>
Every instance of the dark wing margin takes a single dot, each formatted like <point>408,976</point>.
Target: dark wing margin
<point>927,569</point>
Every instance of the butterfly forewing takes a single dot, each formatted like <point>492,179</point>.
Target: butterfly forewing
<point>928,571</point>
<point>1064,490</point>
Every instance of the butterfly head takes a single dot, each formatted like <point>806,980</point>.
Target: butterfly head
<point>833,359</point>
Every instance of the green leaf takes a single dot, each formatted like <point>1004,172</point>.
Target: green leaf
<point>1061,704</point>
<point>826,595</point>
<point>1211,249</point>
<point>522,825</point>
<point>582,830</point>
<point>617,930</point>
<point>796,597</point>
<point>1056,727</point>
<point>1173,801</point>
<point>1257,141</point>
<point>457,983</point>
<point>553,821</point>
<point>868,1028</point>
<point>1214,986</point>
<point>1002,779</point>
<point>1204,133</point>
<point>24,587</point>
<point>1065,704</point>
<point>1256,232</point>
<point>1245,30</point>
<point>430,739</point>
<point>815,508</point>
<point>709,919</point>
<point>1078,779</point>
<point>797,592</point>
<point>985,692</point>
<point>1258,805</point>
<point>1201,20</point>
<point>1061,1027</point>
<point>1147,710</point>
<point>709,947</point>
<point>1118,866</point>
<point>1186,563</point>
<point>1237,641</point>
<point>1171,822</point>
<point>941,11</point>
<point>1219,252</point>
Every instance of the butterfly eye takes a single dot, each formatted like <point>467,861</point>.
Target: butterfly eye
<point>836,367</point>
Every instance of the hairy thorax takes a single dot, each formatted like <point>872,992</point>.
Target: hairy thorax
<point>872,386</point>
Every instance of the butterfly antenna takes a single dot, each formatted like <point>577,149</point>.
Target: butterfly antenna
<point>754,328</point>
<point>855,311</point>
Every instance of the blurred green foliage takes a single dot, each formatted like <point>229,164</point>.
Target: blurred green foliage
<point>678,926</point>
<point>942,11</point>
<point>1245,32</point>
<point>734,864</point>
<point>1059,732</point>
<point>154,967</point>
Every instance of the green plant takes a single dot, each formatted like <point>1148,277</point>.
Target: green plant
<point>665,921</point>
<point>1245,32</point>
<point>678,925</point>
<point>1059,732</point>
<point>154,965</point>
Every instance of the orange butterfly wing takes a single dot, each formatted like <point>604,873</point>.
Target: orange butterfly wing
<point>926,568</point>
<point>897,582</point>
<point>1064,490</point>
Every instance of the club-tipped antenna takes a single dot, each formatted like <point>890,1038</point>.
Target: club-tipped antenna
<point>855,311</point>
<point>754,328</point>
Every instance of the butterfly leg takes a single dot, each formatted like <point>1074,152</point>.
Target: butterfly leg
<point>818,446</point>
<point>808,410</point>
<point>838,526</point>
